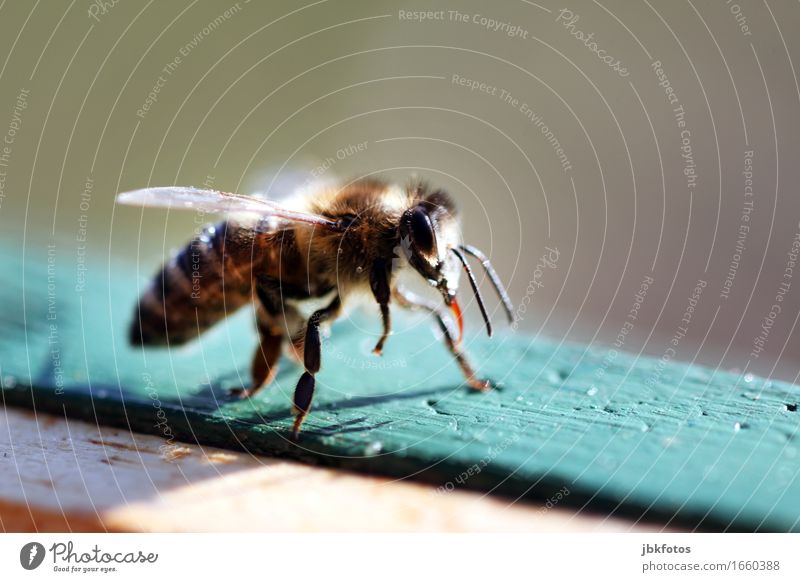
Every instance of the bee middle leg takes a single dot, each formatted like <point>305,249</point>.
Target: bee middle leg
<point>411,301</point>
<point>312,360</point>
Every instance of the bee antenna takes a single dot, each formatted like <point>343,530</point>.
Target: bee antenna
<point>475,289</point>
<point>496,283</point>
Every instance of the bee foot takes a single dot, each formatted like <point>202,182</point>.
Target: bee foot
<point>240,393</point>
<point>480,385</point>
<point>298,421</point>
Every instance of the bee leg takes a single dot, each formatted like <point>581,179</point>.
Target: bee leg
<point>411,301</point>
<point>312,359</point>
<point>379,283</point>
<point>265,360</point>
<point>293,325</point>
<point>264,365</point>
<point>284,319</point>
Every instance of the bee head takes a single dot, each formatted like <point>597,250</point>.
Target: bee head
<point>431,241</point>
<point>428,233</point>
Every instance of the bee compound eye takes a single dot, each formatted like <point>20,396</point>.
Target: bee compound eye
<point>422,230</point>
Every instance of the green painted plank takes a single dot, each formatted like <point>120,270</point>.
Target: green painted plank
<point>622,434</point>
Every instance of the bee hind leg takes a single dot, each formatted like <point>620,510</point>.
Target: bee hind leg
<point>312,360</point>
<point>264,365</point>
<point>411,301</point>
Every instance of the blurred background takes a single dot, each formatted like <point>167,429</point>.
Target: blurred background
<point>631,168</point>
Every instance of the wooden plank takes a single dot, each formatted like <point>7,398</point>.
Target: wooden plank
<point>68,475</point>
<point>624,435</point>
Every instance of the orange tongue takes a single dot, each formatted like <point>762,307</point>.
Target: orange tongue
<point>456,309</point>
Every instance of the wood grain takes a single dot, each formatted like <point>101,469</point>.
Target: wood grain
<point>66,475</point>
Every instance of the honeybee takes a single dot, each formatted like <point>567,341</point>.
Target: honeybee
<point>324,245</point>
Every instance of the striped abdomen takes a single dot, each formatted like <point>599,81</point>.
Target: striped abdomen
<point>206,281</point>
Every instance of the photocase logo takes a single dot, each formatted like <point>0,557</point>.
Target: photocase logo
<point>31,555</point>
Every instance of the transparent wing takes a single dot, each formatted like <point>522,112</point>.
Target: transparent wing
<point>189,198</point>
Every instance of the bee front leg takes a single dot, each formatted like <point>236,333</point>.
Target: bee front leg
<point>312,359</point>
<point>411,301</point>
<point>379,278</point>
